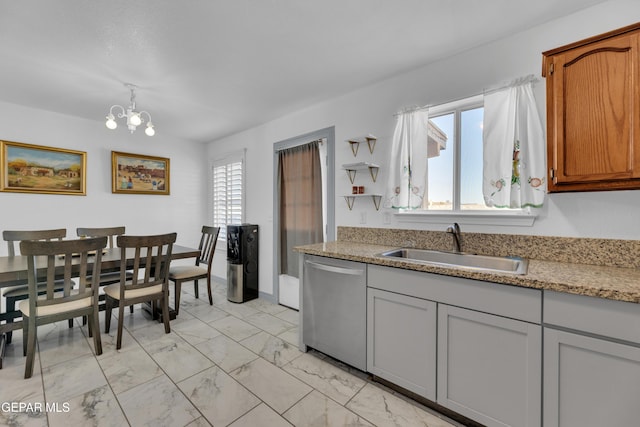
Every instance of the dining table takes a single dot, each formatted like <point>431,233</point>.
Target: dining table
<point>13,271</point>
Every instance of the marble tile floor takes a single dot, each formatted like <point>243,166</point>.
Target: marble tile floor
<point>226,365</point>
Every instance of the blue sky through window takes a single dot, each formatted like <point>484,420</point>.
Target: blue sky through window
<point>471,159</point>
<point>440,168</point>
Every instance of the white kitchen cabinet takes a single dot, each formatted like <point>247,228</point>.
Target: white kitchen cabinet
<point>401,341</point>
<point>589,381</point>
<point>489,353</point>
<point>591,361</point>
<point>489,367</point>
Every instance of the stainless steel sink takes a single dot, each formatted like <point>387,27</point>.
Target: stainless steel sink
<point>513,265</point>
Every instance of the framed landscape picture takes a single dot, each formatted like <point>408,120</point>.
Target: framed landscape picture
<point>26,168</point>
<point>139,174</point>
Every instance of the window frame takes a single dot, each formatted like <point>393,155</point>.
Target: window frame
<point>516,217</point>
<point>226,160</point>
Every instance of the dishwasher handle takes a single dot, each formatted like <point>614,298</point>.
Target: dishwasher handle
<point>333,269</point>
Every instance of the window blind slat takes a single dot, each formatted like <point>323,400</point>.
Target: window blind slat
<point>227,196</point>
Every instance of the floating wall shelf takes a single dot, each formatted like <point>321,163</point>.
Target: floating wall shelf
<point>352,198</point>
<point>352,168</point>
<point>355,143</point>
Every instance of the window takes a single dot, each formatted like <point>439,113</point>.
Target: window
<point>461,169</point>
<point>228,192</point>
<point>454,157</point>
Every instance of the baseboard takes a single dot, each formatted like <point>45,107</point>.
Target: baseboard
<point>267,297</point>
<point>218,279</point>
<point>262,295</point>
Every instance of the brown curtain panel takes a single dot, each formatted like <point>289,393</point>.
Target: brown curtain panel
<point>300,187</point>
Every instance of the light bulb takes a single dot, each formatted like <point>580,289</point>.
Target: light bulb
<point>111,122</point>
<point>150,131</point>
<point>135,119</point>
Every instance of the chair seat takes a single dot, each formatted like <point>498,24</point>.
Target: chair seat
<point>186,271</point>
<point>49,310</point>
<point>114,291</point>
<point>23,290</point>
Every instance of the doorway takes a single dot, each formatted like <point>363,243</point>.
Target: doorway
<point>303,205</point>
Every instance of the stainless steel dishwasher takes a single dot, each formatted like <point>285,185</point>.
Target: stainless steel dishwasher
<point>334,311</point>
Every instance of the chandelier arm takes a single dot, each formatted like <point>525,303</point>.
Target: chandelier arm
<point>148,116</point>
<point>120,115</point>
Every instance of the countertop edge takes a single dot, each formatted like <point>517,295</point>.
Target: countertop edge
<point>614,283</point>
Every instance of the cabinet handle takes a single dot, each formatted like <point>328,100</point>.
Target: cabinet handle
<point>332,269</point>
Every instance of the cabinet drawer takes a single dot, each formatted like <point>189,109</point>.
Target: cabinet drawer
<point>609,318</point>
<point>503,300</point>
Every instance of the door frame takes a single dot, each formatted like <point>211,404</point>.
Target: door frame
<point>329,134</point>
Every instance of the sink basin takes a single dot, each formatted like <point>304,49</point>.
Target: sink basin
<point>460,260</point>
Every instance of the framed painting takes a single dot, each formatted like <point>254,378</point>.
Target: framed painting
<point>139,174</point>
<point>26,168</point>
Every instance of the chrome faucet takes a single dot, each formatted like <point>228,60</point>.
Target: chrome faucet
<point>454,230</point>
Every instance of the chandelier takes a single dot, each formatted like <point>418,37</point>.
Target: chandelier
<point>134,118</point>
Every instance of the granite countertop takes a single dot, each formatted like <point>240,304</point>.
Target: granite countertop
<point>616,283</point>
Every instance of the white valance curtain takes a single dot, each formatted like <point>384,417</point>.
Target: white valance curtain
<point>408,164</point>
<point>514,148</point>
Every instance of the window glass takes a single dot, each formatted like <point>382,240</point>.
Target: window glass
<point>440,163</point>
<point>471,160</point>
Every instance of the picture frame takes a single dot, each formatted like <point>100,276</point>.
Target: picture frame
<point>139,174</point>
<point>29,168</point>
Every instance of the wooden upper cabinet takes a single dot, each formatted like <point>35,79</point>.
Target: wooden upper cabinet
<point>593,107</point>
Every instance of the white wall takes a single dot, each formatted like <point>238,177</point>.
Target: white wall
<point>183,211</point>
<point>371,109</point>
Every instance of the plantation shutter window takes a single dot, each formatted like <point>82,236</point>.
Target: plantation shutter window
<point>228,193</point>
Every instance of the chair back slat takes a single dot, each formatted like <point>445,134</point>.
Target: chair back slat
<point>13,236</point>
<point>109,232</point>
<point>207,245</point>
<point>67,275</point>
<point>153,253</point>
<point>53,252</point>
<point>150,262</point>
<point>51,273</point>
<point>136,264</point>
<point>84,259</point>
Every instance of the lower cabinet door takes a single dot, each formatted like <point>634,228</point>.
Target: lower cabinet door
<point>590,381</point>
<point>401,341</point>
<point>489,367</point>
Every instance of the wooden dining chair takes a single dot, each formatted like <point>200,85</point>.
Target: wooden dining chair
<point>106,277</point>
<point>13,294</point>
<point>202,268</point>
<point>68,302</point>
<point>153,254</point>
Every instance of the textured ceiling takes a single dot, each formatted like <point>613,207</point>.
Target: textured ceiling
<point>210,68</point>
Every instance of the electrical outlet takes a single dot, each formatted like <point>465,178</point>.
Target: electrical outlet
<point>363,217</point>
<point>387,218</point>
